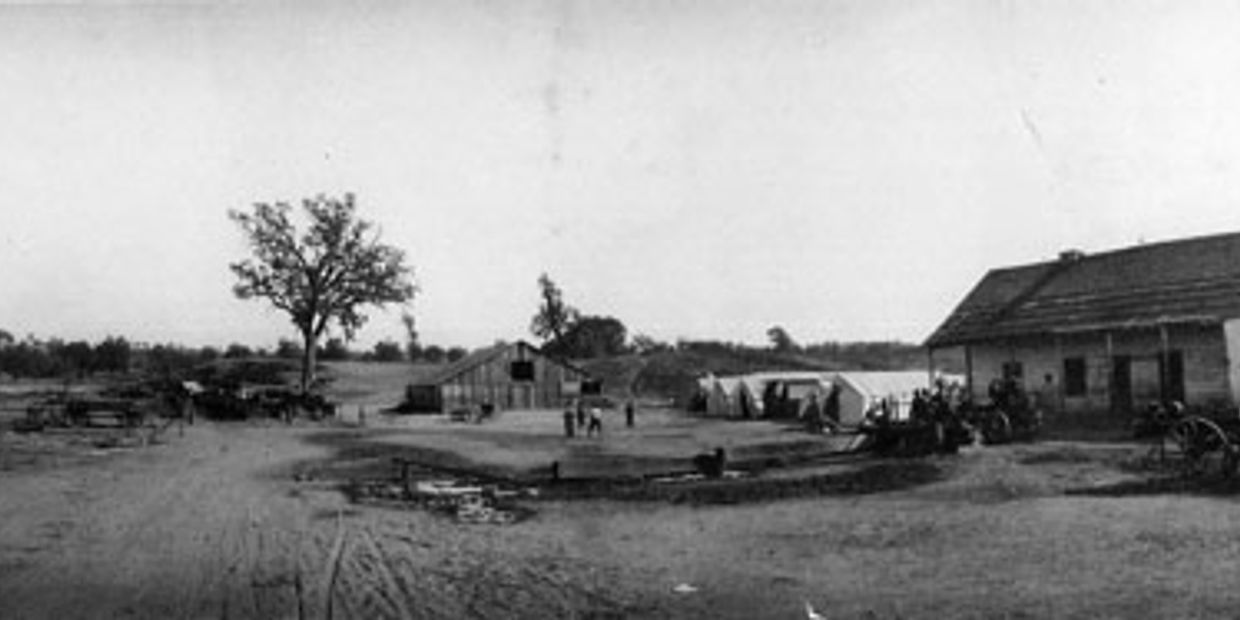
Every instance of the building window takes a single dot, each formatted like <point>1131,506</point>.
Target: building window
<point>1074,376</point>
<point>522,370</point>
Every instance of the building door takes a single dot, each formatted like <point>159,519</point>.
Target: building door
<point>521,396</point>
<point>1121,384</point>
<point>1172,373</point>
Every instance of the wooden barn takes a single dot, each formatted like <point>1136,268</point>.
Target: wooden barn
<point>1114,331</point>
<point>505,376</point>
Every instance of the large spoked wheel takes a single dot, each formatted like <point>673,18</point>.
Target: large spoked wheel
<point>1204,447</point>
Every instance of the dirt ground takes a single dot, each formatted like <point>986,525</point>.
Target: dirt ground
<point>524,443</point>
<point>223,523</point>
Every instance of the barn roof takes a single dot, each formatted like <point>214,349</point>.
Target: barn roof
<point>478,358</point>
<point>1186,281</point>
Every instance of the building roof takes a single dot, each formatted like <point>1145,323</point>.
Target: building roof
<point>478,358</point>
<point>1186,281</point>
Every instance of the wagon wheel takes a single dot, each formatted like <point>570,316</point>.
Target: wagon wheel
<point>1202,443</point>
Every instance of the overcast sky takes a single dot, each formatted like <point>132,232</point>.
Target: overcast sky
<point>847,170</point>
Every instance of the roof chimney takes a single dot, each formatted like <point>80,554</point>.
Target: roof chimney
<point>1071,256</point>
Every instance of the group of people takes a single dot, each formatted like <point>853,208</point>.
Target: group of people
<point>931,405</point>
<point>939,403</point>
<point>578,416</point>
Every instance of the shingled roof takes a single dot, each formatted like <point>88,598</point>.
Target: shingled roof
<point>479,357</point>
<point>1187,281</point>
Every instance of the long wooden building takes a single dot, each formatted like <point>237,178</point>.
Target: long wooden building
<point>1113,331</point>
<point>504,376</point>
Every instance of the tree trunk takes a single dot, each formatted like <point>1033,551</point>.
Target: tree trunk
<point>308,360</point>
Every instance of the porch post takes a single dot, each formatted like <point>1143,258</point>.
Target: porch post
<point>1059,385</point>
<point>1163,361</point>
<point>968,370</point>
<point>1110,374</point>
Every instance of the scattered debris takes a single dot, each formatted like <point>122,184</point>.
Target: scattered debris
<point>684,588</point>
<point>727,474</point>
<point>463,499</point>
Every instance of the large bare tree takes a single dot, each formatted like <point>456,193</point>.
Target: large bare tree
<point>322,275</point>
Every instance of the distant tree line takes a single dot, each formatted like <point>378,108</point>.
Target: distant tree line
<point>31,357</point>
<point>882,355</point>
<point>37,358</point>
<point>386,350</point>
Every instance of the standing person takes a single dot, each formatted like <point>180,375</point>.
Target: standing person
<point>831,411</point>
<point>569,430</point>
<point>629,408</point>
<point>812,414</point>
<point>581,413</point>
<point>187,404</point>
<point>596,422</point>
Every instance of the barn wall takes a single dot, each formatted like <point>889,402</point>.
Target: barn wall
<point>491,382</point>
<point>1203,348</point>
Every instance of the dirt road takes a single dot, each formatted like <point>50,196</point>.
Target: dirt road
<point>215,525</point>
<point>212,526</point>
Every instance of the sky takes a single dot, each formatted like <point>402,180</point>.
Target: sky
<point>847,170</point>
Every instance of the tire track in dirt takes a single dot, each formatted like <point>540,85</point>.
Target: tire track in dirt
<point>430,589</point>
<point>332,570</point>
<point>189,529</point>
<point>399,595</point>
<point>200,529</point>
<point>368,584</point>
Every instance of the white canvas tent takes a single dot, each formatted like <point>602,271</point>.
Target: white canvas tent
<point>747,400</point>
<point>789,391</point>
<point>861,391</point>
<point>720,395</point>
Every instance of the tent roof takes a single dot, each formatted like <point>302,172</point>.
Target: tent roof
<point>883,383</point>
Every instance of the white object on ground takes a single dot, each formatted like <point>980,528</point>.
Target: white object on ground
<point>811,614</point>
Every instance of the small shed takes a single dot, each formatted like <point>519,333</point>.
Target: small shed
<point>504,376</point>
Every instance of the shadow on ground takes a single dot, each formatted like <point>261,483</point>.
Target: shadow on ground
<point>1166,484</point>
